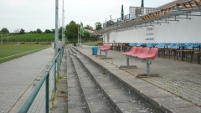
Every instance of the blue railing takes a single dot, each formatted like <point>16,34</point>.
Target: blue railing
<point>56,63</point>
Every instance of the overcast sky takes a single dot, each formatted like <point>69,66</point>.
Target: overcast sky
<point>33,14</point>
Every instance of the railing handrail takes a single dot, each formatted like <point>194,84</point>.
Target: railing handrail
<point>45,77</point>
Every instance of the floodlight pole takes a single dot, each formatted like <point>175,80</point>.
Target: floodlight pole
<point>78,35</point>
<point>63,23</point>
<point>56,25</point>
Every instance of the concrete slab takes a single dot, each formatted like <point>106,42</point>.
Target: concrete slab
<point>99,107</point>
<point>130,108</point>
<point>189,109</point>
<point>81,110</point>
<point>74,91</point>
<point>75,99</point>
<point>123,98</point>
<point>181,79</point>
<point>172,102</point>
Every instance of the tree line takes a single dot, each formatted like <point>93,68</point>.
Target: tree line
<point>71,31</point>
<point>22,31</point>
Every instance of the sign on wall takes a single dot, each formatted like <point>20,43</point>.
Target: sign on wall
<point>150,32</point>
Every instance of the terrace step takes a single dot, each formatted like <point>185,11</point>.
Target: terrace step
<point>76,103</point>
<point>97,83</point>
<point>95,101</point>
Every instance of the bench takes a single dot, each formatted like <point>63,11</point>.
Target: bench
<point>105,48</point>
<point>145,55</point>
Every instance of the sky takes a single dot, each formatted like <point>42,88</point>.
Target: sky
<point>32,14</point>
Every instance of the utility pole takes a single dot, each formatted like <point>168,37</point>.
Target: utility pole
<point>56,25</point>
<point>78,36</point>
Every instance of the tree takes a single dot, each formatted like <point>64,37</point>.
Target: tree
<point>72,31</point>
<point>22,31</point>
<point>48,31</point>
<point>98,25</point>
<point>53,30</point>
<point>17,31</point>
<point>60,33</point>
<point>38,31</point>
<point>4,30</point>
<point>88,27</point>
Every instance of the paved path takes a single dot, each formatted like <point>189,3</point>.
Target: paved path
<point>177,77</point>
<point>18,74</point>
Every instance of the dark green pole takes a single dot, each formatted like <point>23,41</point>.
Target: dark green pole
<point>142,4</point>
<point>47,94</point>
<point>122,12</point>
<point>55,88</point>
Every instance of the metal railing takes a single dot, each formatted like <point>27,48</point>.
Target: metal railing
<point>56,63</point>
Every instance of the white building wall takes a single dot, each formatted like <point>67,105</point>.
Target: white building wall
<point>184,31</point>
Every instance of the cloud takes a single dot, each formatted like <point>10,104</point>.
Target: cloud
<point>32,14</point>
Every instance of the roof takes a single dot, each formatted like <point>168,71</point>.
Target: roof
<point>171,4</point>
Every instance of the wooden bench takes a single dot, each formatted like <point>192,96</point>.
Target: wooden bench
<point>145,55</point>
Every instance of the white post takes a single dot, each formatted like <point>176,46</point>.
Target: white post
<point>78,35</point>
<point>56,25</point>
<point>80,39</point>
<point>63,23</point>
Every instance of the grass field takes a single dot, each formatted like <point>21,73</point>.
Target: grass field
<point>90,43</point>
<point>12,51</point>
<point>28,37</point>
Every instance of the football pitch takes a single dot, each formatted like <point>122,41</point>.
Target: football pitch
<point>12,51</point>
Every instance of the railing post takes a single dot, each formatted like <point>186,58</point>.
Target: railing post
<point>57,66</point>
<point>55,88</point>
<point>59,59</point>
<point>58,62</point>
<point>47,94</point>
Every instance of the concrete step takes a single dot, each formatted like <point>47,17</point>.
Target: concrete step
<point>121,100</point>
<point>122,97</point>
<point>96,102</point>
<point>60,102</point>
<point>76,103</point>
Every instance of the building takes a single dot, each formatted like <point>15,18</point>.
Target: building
<point>175,22</point>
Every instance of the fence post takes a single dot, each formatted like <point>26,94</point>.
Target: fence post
<point>57,66</point>
<point>55,88</point>
<point>47,94</point>
<point>60,57</point>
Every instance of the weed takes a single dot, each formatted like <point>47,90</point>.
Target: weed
<point>62,91</point>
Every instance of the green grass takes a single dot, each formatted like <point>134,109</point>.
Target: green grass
<point>12,51</point>
<point>28,37</point>
<point>90,43</point>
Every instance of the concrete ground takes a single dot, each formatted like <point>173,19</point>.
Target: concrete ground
<point>18,78</point>
<point>178,78</point>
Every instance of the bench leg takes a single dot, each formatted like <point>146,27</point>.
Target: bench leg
<point>128,64</point>
<point>106,54</point>
<point>148,68</point>
<point>127,61</point>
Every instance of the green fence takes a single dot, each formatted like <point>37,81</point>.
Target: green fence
<point>56,63</point>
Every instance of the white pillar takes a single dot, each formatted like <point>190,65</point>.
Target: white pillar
<point>56,25</point>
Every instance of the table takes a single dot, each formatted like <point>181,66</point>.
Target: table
<point>198,52</point>
<point>190,51</point>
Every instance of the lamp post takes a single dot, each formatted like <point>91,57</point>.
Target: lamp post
<point>63,24</point>
<point>56,25</point>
